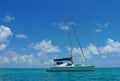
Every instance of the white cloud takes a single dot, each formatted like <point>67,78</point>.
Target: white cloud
<point>12,59</point>
<point>3,46</point>
<point>63,27</point>
<point>88,52</point>
<point>111,47</point>
<point>104,57</point>
<point>5,33</point>
<point>98,30</point>
<point>106,24</point>
<point>21,36</point>
<point>92,49</point>
<point>45,47</point>
<point>54,23</point>
<point>100,26</point>
<point>44,59</point>
<point>8,18</point>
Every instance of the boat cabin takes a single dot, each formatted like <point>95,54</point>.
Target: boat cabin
<point>61,61</point>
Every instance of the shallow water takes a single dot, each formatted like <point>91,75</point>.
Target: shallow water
<point>40,74</point>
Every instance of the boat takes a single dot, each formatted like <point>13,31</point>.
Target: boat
<point>67,64</point>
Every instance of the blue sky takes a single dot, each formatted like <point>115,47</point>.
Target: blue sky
<point>33,32</point>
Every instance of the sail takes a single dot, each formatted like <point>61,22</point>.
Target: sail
<point>63,59</point>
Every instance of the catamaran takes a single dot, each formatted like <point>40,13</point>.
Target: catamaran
<point>67,64</point>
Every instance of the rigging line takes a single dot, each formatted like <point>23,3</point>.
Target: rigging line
<point>79,43</point>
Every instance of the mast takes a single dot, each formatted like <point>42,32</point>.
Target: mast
<point>71,27</point>
<point>70,38</point>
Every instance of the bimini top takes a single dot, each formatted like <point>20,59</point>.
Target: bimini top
<point>63,59</point>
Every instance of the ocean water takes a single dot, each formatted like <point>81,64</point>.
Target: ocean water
<point>40,74</point>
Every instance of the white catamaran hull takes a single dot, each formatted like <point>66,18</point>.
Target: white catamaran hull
<point>71,68</point>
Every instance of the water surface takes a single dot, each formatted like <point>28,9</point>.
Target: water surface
<point>40,74</point>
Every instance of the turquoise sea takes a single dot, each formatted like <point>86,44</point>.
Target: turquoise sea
<point>40,74</point>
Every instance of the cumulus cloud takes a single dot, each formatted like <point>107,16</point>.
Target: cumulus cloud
<point>45,47</point>
<point>44,59</point>
<point>21,36</point>
<point>111,47</point>
<point>41,60</point>
<point>92,49</point>
<point>12,59</point>
<point>5,33</point>
<point>7,18</point>
<point>2,46</point>
<point>88,52</point>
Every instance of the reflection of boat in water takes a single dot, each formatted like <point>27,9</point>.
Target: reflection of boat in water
<point>66,64</point>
